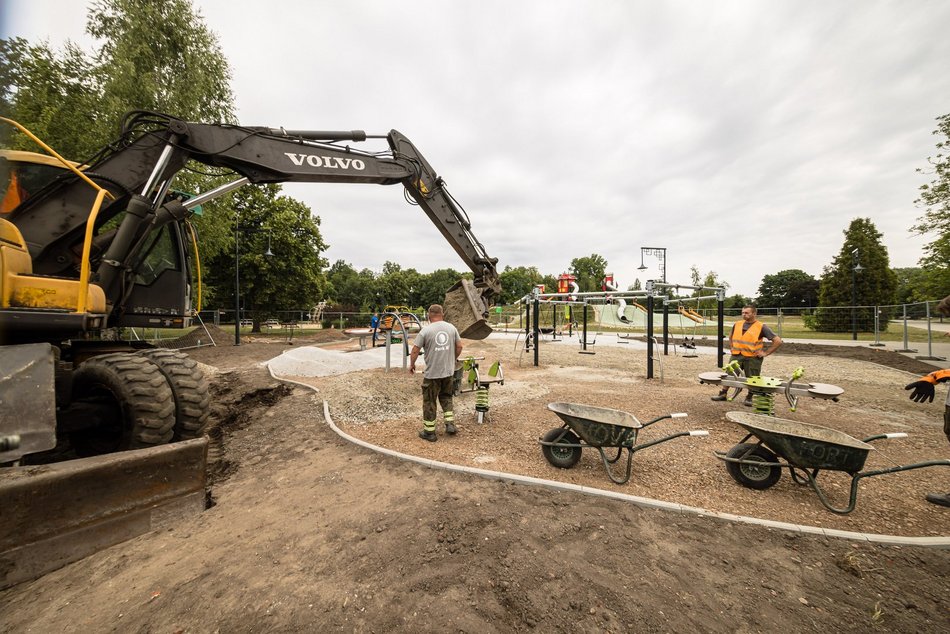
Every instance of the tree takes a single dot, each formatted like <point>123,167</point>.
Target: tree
<point>710,280</point>
<point>519,281</point>
<point>152,56</point>
<point>55,96</point>
<point>430,289</point>
<point>590,272</point>
<point>935,199</point>
<point>791,288</point>
<point>912,285</point>
<point>159,56</point>
<point>874,285</point>
<point>289,279</point>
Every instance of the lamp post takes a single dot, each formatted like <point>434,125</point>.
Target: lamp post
<point>855,267</point>
<point>237,275</point>
<point>660,253</point>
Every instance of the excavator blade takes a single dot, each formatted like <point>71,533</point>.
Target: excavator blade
<point>465,310</point>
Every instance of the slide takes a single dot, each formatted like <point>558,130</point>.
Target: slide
<point>690,314</point>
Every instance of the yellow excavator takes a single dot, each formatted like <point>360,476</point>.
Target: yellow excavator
<point>109,244</point>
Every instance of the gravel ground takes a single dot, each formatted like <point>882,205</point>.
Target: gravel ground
<point>384,408</point>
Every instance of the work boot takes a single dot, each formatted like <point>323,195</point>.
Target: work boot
<point>720,397</point>
<point>428,435</point>
<point>450,428</point>
<point>940,499</point>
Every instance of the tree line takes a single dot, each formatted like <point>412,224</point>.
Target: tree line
<point>160,56</point>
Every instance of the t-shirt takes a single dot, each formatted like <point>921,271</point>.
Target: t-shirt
<point>438,341</point>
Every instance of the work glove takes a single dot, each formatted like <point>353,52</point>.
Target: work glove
<point>923,391</point>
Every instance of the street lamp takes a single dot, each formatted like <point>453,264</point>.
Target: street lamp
<point>237,274</point>
<point>855,267</point>
<point>660,253</point>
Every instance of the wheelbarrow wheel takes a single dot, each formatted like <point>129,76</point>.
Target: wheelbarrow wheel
<point>750,475</point>
<point>561,457</point>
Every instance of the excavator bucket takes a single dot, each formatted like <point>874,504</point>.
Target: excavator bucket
<point>465,310</point>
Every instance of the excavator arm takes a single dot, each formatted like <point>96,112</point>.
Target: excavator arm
<point>139,168</point>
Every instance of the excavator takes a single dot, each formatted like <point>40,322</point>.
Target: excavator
<point>108,244</point>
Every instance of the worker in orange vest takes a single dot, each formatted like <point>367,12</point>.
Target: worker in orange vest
<point>924,389</point>
<point>748,348</point>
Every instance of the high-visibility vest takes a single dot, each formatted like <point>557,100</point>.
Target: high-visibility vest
<point>746,343</point>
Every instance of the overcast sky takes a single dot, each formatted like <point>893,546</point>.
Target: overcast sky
<point>741,136</point>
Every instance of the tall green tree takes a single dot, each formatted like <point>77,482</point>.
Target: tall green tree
<point>292,277</point>
<point>430,288</point>
<point>912,285</point>
<point>54,95</point>
<point>589,272</point>
<point>875,284</point>
<point>791,288</point>
<point>159,55</point>
<point>518,281</point>
<point>935,200</point>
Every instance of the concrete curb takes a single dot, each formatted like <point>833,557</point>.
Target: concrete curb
<point>893,540</point>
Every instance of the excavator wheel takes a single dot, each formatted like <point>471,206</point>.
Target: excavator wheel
<point>130,400</point>
<point>190,388</point>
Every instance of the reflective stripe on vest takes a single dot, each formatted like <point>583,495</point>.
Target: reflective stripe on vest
<point>746,343</point>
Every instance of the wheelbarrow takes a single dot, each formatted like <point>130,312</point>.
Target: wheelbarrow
<point>599,428</point>
<point>805,449</point>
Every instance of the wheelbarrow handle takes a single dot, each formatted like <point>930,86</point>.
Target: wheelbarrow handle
<point>896,434</point>
<point>664,417</point>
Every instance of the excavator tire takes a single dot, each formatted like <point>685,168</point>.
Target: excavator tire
<point>137,396</point>
<point>190,388</point>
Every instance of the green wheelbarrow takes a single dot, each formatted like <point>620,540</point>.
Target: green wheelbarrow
<point>599,428</point>
<point>806,450</point>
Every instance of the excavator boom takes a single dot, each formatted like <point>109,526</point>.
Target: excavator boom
<point>138,169</point>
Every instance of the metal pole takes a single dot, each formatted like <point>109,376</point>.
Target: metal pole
<point>720,318</point>
<point>854,301</point>
<point>584,349</point>
<point>537,331</point>
<point>906,347</point>
<point>650,336</point>
<point>666,329</point>
<point>237,285</point>
<point>930,354</point>
<point>877,328</point>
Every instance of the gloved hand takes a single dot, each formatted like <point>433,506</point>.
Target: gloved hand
<point>923,391</point>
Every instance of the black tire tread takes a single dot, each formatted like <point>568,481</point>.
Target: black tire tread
<point>561,462</point>
<point>137,384</point>
<point>189,387</point>
<point>752,451</point>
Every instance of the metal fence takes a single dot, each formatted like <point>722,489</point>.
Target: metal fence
<point>910,326</point>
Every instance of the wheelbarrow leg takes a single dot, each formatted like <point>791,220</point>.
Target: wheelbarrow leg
<point>607,463</point>
<point>852,502</point>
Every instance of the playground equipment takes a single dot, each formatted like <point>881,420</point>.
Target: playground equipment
<point>599,427</point>
<point>652,288</point>
<point>395,318</point>
<point>764,389</point>
<point>689,313</point>
<point>479,382</point>
<point>805,450</point>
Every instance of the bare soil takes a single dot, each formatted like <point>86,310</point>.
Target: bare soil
<point>308,532</point>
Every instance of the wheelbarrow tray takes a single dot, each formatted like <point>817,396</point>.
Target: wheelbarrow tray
<point>804,445</point>
<point>599,426</point>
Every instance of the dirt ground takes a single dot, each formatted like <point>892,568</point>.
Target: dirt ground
<point>308,532</point>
